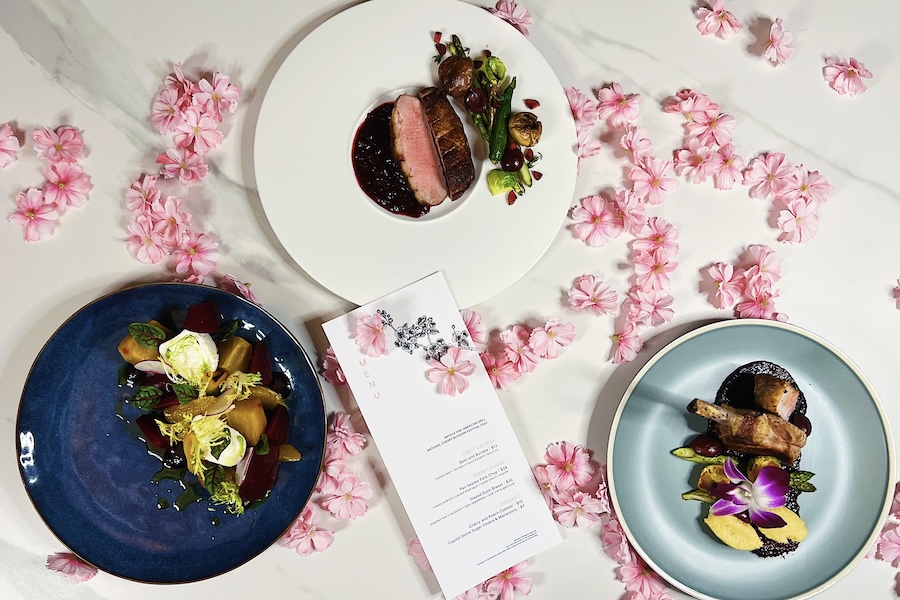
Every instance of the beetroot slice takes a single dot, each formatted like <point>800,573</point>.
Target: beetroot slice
<point>151,431</point>
<point>261,362</point>
<point>203,318</point>
<point>262,471</point>
<point>278,426</point>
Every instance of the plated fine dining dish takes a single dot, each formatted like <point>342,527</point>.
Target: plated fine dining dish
<point>303,156</point>
<point>104,493</point>
<point>851,453</point>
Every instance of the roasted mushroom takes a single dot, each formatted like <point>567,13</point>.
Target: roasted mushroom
<point>456,74</point>
<point>525,128</point>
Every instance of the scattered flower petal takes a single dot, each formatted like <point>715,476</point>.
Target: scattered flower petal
<point>197,254</point>
<point>331,368</point>
<point>475,327</point>
<point>418,554</point>
<point>568,466</point>
<point>370,335</point>
<point>595,221</point>
<point>780,45</point>
<point>593,295</point>
<point>617,108</point>
<point>514,14</point>
<point>500,369</point>
<point>63,145</point>
<point>450,372</point>
<point>343,437</point>
<point>510,581</point>
<point>650,180</point>
<point>846,76</point>
<point>715,20</point>
<point>35,215</point>
<point>71,566</point>
<point>577,510</point>
<point>348,500</point>
<point>9,146</point>
<point>232,284</point>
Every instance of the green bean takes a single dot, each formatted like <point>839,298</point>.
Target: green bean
<point>499,133</point>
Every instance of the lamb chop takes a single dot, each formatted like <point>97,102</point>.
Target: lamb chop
<point>751,431</point>
<point>775,395</point>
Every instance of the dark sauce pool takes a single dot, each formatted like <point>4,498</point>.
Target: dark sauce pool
<point>377,171</point>
<point>737,391</point>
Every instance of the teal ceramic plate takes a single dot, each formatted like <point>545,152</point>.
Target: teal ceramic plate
<point>850,450</point>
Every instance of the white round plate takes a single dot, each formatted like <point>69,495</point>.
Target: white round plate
<point>366,55</point>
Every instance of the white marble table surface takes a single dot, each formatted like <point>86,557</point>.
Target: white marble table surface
<point>96,64</point>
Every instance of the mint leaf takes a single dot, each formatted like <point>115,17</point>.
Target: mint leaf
<point>262,447</point>
<point>147,397</point>
<point>147,335</point>
<point>185,392</point>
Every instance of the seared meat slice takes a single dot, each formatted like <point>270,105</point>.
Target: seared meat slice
<point>752,431</point>
<point>775,395</point>
<point>450,139</point>
<point>414,149</point>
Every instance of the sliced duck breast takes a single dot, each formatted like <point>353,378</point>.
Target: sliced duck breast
<point>413,146</point>
<point>450,139</point>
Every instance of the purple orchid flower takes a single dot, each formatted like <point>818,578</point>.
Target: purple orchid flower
<point>755,497</point>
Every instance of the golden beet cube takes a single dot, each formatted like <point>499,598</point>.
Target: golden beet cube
<point>248,417</point>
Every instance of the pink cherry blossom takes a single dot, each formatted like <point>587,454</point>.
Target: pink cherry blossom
<point>514,14</point>
<point>593,295</point>
<point>595,221</point>
<point>165,113</point>
<point>333,470</point>
<point>896,294</point>
<point>549,340</point>
<point>588,145</point>
<point>635,141</point>
<point>652,269</point>
<point>640,580</point>
<point>418,554</point>
<point>806,185</point>
<point>650,180</point>
<point>584,108</point>
<point>760,262</point>
<point>476,593</point>
<point>657,234</point>
<point>617,108</point>
<point>510,581</point>
<point>475,326</point>
<point>450,372</point>
<point>66,185</point>
<point>331,368</point>
<point>304,535</point>
<point>9,146</point>
<point>798,221</point>
<point>369,334</point>
<point>71,566</point>
<point>63,145</point>
<point>766,174</point>
<point>232,284</point>
<point>348,499</point>
<point>35,215</point>
<point>651,307</point>
<point>846,76</point>
<point>183,87</point>
<point>500,369</point>
<point>515,342</point>
<point>690,103</point>
<point>568,466</point>
<point>142,195</point>
<point>577,510</point>
<point>602,493</point>
<point>889,545</point>
<point>144,243</point>
<point>626,343</point>
<point>198,254</point>
<point>617,546</point>
<point>715,20</point>
<point>696,161</point>
<point>343,437</point>
<point>170,222</point>
<point>630,210</point>
<point>188,166</point>
<point>760,302</point>
<point>729,283</point>
<point>219,96</point>
<point>543,481</point>
<point>712,129</point>
<point>197,131</point>
<point>730,168</point>
<point>780,45</point>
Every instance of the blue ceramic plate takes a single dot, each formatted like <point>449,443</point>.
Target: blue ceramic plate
<point>850,450</point>
<point>90,478</point>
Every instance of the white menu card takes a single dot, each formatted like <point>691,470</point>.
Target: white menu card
<point>454,459</point>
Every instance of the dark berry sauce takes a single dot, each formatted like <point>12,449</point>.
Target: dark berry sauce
<point>377,171</point>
